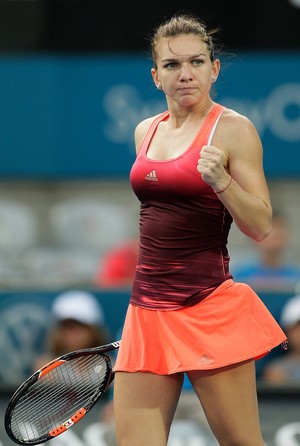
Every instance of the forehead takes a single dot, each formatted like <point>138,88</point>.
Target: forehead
<point>183,45</point>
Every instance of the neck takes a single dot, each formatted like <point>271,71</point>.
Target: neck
<point>179,114</point>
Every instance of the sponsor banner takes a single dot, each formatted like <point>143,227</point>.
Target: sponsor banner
<point>74,116</point>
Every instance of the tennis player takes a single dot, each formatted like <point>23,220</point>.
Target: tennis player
<point>198,168</point>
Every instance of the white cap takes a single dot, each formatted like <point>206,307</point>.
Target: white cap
<point>78,305</point>
<point>291,312</point>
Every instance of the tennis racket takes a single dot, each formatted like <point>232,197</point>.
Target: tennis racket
<point>58,395</point>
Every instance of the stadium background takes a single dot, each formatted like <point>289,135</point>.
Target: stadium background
<point>74,81</point>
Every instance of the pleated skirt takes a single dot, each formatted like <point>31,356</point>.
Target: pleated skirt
<point>229,326</point>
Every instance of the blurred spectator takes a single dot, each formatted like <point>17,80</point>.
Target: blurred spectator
<point>78,322</point>
<point>117,267</point>
<point>271,268</point>
<point>286,368</point>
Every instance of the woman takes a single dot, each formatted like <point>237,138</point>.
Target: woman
<point>198,167</point>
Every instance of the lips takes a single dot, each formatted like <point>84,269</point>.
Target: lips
<point>187,89</point>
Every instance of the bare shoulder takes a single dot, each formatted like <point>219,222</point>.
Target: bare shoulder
<point>143,126</point>
<point>235,132</point>
<point>141,130</point>
<point>236,124</point>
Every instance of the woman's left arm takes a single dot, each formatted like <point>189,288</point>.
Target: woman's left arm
<point>235,171</point>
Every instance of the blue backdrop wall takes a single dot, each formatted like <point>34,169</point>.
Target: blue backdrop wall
<point>74,116</point>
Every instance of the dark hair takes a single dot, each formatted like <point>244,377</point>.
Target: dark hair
<point>98,336</point>
<point>183,24</point>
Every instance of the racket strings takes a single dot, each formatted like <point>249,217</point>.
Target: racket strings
<point>55,397</point>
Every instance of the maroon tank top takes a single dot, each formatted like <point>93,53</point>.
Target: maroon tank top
<point>183,226</point>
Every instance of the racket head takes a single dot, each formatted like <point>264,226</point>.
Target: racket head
<point>58,395</point>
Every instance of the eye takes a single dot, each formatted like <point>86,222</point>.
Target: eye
<point>170,65</point>
<point>197,62</point>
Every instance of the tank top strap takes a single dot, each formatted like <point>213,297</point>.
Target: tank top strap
<point>214,119</point>
<point>207,130</point>
<point>150,132</point>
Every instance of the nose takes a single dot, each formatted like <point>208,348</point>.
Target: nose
<point>186,72</point>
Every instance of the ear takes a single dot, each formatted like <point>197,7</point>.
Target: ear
<point>155,78</point>
<point>216,65</point>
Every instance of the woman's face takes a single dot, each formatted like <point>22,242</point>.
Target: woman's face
<point>75,335</point>
<point>184,69</point>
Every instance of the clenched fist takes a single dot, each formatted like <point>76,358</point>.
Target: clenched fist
<point>211,167</point>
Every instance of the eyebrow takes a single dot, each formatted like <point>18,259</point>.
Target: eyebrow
<point>190,56</point>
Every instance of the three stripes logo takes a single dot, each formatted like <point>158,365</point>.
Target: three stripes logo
<point>151,176</point>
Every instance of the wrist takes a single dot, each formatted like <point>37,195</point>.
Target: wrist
<point>224,188</point>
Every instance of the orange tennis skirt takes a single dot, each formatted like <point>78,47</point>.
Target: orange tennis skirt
<point>231,325</point>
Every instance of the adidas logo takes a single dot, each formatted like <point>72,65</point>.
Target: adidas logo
<point>151,176</point>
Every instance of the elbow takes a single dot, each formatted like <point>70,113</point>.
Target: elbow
<point>259,237</point>
<point>256,225</point>
<point>262,233</point>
